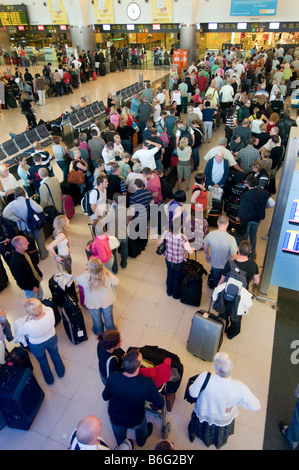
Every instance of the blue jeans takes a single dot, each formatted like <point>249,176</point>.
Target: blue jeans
<point>31,294</point>
<point>141,432</point>
<point>292,433</point>
<point>39,351</point>
<point>251,231</point>
<point>173,279</point>
<point>216,275</point>
<point>100,314</point>
<point>159,164</point>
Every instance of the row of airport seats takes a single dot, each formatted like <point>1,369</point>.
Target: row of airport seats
<point>77,121</point>
<point>23,143</point>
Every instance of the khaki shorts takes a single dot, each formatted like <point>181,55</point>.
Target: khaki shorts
<point>184,170</point>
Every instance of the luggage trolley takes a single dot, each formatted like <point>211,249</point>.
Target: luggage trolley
<point>160,414</point>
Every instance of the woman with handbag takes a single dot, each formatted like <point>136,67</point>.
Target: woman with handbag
<point>78,169</point>
<point>59,247</point>
<point>215,410</point>
<point>175,244</point>
<point>99,285</point>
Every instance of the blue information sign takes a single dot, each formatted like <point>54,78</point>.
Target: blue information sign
<point>253,7</point>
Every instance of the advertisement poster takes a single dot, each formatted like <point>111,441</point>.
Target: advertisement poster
<point>162,11</point>
<point>104,11</point>
<point>253,7</point>
<point>58,12</point>
<point>180,58</point>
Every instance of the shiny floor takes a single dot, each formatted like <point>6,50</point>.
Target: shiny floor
<point>145,315</point>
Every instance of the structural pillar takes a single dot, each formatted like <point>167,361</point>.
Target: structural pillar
<point>188,41</point>
<point>84,38</point>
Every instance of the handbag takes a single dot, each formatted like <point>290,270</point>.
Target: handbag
<point>76,177</point>
<point>187,395</point>
<point>161,248</point>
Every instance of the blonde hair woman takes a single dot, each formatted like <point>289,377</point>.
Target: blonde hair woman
<point>99,285</point>
<point>114,116</point>
<point>59,247</point>
<point>118,149</point>
<point>39,329</point>
<point>127,116</point>
<point>184,163</point>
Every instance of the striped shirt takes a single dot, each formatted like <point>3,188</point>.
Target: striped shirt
<point>142,197</point>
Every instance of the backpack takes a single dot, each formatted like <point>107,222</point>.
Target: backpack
<point>85,204</point>
<point>35,221</point>
<point>235,280</point>
<point>240,114</point>
<point>186,133</point>
<point>165,139</point>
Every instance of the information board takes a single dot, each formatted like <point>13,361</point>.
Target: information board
<point>13,15</point>
<point>253,7</point>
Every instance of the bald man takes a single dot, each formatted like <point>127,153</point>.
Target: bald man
<point>87,436</point>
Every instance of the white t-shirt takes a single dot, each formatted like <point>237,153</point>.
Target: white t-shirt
<point>39,331</point>
<point>108,157</point>
<point>146,157</point>
<point>100,199</point>
<point>227,93</point>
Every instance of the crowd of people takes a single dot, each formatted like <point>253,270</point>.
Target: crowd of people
<point>124,172</point>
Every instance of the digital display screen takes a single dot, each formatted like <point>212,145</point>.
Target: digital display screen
<point>291,242</point>
<point>294,215</point>
<point>13,15</point>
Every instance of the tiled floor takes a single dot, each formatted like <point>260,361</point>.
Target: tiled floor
<point>145,315</point>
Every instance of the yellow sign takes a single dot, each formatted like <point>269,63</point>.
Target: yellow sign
<point>162,11</point>
<point>58,12</point>
<point>104,11</point>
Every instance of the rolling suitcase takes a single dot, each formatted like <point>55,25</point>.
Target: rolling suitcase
<point>68,207</point>
<point>215,212</point>
<point>73,321</point>
<point>20,396</point>
<point>72,190</point>
<point>18,357</point>
<point>206,335</point>
<point>58,294</point>
<point>191,283</point>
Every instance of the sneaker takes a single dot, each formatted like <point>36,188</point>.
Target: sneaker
<point>126,445</point>
<point>283,427</point>
<point>265,237</point>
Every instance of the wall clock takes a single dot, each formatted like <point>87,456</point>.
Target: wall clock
<point>133,11</point>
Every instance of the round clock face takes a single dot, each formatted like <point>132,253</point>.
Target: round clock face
<point>133,11</point>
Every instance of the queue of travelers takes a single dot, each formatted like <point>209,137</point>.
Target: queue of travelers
<point>122,175</point>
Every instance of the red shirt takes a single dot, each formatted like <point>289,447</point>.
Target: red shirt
<point>66,77</point>
<point>202,82</point>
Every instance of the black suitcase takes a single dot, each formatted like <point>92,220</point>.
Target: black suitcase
<point>50,303</point>
<point>112,66</point>
<point>232,214</point>
<point>206,335</point>
<point>133,248</point>
<point>18,357</point>
<point>157,355</point>
<point>102,70</point>
<point>20,396</point>
<point>58,294</point>
<point>191,282</point>
<point>215,212</point>
<point>73,320</point>
<point>170,174</point>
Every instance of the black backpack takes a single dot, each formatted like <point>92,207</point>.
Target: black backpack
<point>85,204</point>
<point>235,280</point>
<point>186,133</point>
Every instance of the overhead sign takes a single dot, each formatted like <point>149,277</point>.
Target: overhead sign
<point>253,7</point>
<point>13,15</point>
